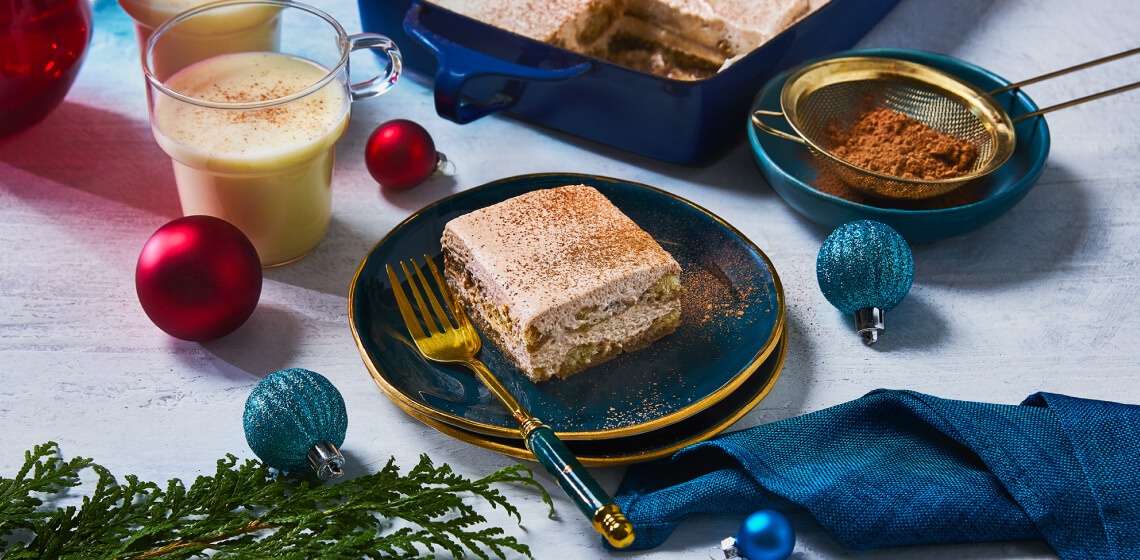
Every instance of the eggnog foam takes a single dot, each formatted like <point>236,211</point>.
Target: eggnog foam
<point>249,138</point>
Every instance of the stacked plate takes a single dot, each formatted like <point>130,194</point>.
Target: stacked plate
<point>683,389</point>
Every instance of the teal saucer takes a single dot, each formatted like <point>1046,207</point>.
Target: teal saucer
<point>791,172</point>
<point>732,319</point>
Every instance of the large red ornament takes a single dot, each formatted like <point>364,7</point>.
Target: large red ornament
<point>198,278</point>
<point>400,154</point>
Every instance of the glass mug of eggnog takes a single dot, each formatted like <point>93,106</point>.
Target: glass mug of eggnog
<point>251,128</point>
<point>253,27</point>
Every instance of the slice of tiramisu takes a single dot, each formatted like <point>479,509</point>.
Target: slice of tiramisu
<point>560,279</point>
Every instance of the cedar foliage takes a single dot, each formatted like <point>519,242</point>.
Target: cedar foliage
<point>247,511</point>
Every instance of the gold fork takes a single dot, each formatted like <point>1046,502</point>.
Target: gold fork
<point>460,344</point>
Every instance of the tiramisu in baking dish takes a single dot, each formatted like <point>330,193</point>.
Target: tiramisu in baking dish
<point>560,279</point>
<point>680,39</point>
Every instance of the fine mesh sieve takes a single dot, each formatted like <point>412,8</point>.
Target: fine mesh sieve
<point>833,93</point>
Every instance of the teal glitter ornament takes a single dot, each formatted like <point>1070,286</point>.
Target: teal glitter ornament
<point>294,420</point>
<point>865,268</point>
<point>764,535</point>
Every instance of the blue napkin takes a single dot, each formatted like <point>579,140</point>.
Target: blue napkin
<point>902,468</point>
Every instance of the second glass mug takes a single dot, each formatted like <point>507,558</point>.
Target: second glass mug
<point>251,131</point>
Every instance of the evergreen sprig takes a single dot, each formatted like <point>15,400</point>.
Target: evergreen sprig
<point>249,512</point>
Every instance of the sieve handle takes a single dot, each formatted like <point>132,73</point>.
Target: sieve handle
<point>1078,101</point>
<point>762,126</point>
<point>1064,71</point>
<point>1068,70</point>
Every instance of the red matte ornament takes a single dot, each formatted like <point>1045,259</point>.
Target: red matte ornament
<point>198,278</point>
<point>400,154</point>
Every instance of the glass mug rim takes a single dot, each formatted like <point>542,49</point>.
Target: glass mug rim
<point>342,40</point>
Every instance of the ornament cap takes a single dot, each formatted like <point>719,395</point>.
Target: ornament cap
<point>443,166</point>
<point>869,322</point>
<point>326,460</point>
<point>728,549</point>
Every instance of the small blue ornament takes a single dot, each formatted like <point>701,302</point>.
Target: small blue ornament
<point>865,268</point>
<point>764,535</point>
<point>295,419</point>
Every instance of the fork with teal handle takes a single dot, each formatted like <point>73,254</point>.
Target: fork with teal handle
<point>460,344</point>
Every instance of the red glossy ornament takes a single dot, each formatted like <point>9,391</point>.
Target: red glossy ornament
<point>42,45</point>
<point>198,278</point>
<point>400,154</point>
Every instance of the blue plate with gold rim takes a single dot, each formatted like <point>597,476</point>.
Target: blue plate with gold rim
<point>650,445</point>
<point>732,319</point>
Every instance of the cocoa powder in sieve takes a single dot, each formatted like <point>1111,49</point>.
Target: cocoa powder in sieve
<point>891,143</point>
<point>826,181</point>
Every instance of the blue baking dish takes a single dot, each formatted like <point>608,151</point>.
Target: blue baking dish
<point>477,70</point>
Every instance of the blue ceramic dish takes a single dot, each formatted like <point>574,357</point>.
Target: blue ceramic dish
<point>732,318</point>
<point>479,69</point>
<point>789,168</point>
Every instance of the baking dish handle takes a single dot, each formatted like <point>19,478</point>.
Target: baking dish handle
<point>458,64</point>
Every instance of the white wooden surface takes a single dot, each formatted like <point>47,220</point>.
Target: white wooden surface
<point>1044,299</point>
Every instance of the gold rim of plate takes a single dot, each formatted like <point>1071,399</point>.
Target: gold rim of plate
<point>634,455</point>
<point>423,412</point>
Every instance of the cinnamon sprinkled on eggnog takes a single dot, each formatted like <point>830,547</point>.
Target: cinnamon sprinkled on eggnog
<point>275,132</point>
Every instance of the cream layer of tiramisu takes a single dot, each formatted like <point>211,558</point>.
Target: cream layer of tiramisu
<point>561,279</point>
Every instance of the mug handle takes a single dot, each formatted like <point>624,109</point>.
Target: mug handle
<point>457,64</point>
<point>384,82</point>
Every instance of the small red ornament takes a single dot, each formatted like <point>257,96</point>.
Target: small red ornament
<point>400,155</point>
<point>198,278</point>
